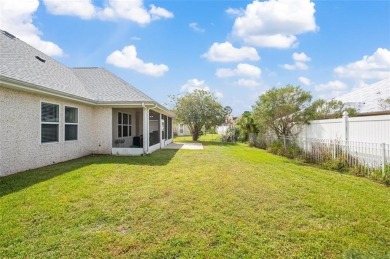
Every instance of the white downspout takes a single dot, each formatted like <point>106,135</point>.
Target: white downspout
<point>146,130</point>
<point>160,130</point>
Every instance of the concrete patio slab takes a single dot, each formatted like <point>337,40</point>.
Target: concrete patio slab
<point>178,145</point>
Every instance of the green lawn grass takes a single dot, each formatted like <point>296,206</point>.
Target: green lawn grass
<point>228,200</point>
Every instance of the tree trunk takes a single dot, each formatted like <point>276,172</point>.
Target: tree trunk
<point>195,135</point>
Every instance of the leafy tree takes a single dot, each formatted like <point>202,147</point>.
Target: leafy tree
<point>211,125</point>
<point>198,109</point>
<point>321,109</point>
<point>279,109</point>
<point>246,125</point>
<point>228,110</point>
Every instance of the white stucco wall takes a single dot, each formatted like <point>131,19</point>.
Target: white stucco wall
<point>101,141</point>
<point>20,141</point>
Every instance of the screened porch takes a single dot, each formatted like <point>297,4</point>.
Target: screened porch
<point>131,125</point>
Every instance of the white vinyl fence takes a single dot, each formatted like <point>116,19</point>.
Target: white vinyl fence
<point>221,130</point>
<point>367,156</point>
<point>359,142</point>
<point>370,129</point>
<point>363,155</point>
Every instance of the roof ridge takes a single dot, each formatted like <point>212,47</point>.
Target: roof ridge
<point>85,67</point>
<point>133,87</point>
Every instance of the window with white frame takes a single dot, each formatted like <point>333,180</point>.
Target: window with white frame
<point>49,122</point>
<point>124,125</point>
<point>71,123</point>
<point>181,128</point>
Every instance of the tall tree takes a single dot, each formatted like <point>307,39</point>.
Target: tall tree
<point>321,109</point>
<point>197,109</point>
<point>279,109</point>
<point>246,125</point>
<point>228,110</point>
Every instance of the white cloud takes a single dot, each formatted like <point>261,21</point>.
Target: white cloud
<point>275,41</point>
<point>304,80</point>
<point>127,58</point>
<point>133,10</point>
<point>196,27</point>
<point>234,11</point>
<point>241,70</point>
<point>274,23</point>
<point>248,83</point>
<point>331,89</point>
<point>159,12</point>
<point>196,84</point>
<point>17,19</point>
<point>135,38</point>
<point>81,8</point>
<point>226,52</point>
<point>299,64</point>
<point>218,94</point>
<point>296,66</point>
<point>376,66</point>
<point>331,85</point>
<point>301,57</point>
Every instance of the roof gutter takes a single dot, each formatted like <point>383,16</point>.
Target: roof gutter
<point>33,88</point>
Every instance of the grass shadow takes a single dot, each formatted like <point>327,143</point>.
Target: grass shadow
<point>206,140</point>
<point>16,182</point>
<point>217,143</point>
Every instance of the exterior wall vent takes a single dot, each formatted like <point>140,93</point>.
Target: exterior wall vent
<point>40,59</point>
<point>9,35</point>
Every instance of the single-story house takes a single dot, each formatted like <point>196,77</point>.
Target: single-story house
<point>181,129</point>
<point>51,113</point>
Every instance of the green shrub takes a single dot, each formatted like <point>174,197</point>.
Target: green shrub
<point>358,171</point>
<point>260,142</point>
<point>257,140</point>
<point>275,147</point>
<point>291,151</point>
<point>377,175</point>
<point>242,137</point>
<point>331,158</point>
<point>230,135</point>
<point>294,151</point>
<point>337,164</point>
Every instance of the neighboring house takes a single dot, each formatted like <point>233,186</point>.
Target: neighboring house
<point>50,113</point>
<point>369,98</point>
<point>181,129</point>
<point>230,121</point>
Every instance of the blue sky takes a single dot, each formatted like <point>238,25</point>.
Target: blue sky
<point>235,49</point>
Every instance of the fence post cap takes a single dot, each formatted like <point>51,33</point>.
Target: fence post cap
<point>345,114</point>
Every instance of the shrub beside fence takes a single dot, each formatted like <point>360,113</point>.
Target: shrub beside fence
<point>362,158</point>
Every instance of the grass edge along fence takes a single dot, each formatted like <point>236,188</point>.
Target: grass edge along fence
<point>371,160</point>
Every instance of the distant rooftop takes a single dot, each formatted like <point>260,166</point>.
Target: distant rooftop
<point>367,98</point>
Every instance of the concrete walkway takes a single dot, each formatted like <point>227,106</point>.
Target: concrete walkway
<point>178,145</point>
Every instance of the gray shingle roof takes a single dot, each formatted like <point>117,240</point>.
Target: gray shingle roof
<point>18,62</point>
<point>367,98</point>
<point>104,86</point>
